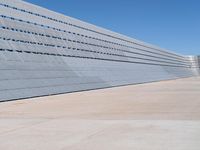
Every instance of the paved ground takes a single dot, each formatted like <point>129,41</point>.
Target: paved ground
<point>156,116</point>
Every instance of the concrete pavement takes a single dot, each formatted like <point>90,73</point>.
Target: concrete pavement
<point>156,116</point>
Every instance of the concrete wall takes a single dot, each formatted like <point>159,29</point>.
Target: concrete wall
<point>43,53</point>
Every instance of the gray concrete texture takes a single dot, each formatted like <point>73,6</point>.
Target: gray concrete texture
<point>154,116</point>
<point>43,53</point>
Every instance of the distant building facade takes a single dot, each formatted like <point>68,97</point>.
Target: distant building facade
<point>43,53</point>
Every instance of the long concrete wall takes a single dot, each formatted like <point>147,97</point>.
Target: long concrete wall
<point>44,53</point>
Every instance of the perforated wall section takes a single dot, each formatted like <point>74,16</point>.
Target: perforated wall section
<point>44,53</point>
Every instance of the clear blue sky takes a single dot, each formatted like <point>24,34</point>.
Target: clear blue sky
<point>170,24</point>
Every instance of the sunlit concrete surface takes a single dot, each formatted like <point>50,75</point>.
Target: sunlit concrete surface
<point>155,116</point>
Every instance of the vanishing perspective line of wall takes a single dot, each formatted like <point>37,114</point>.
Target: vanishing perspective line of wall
<point>44,53</point>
